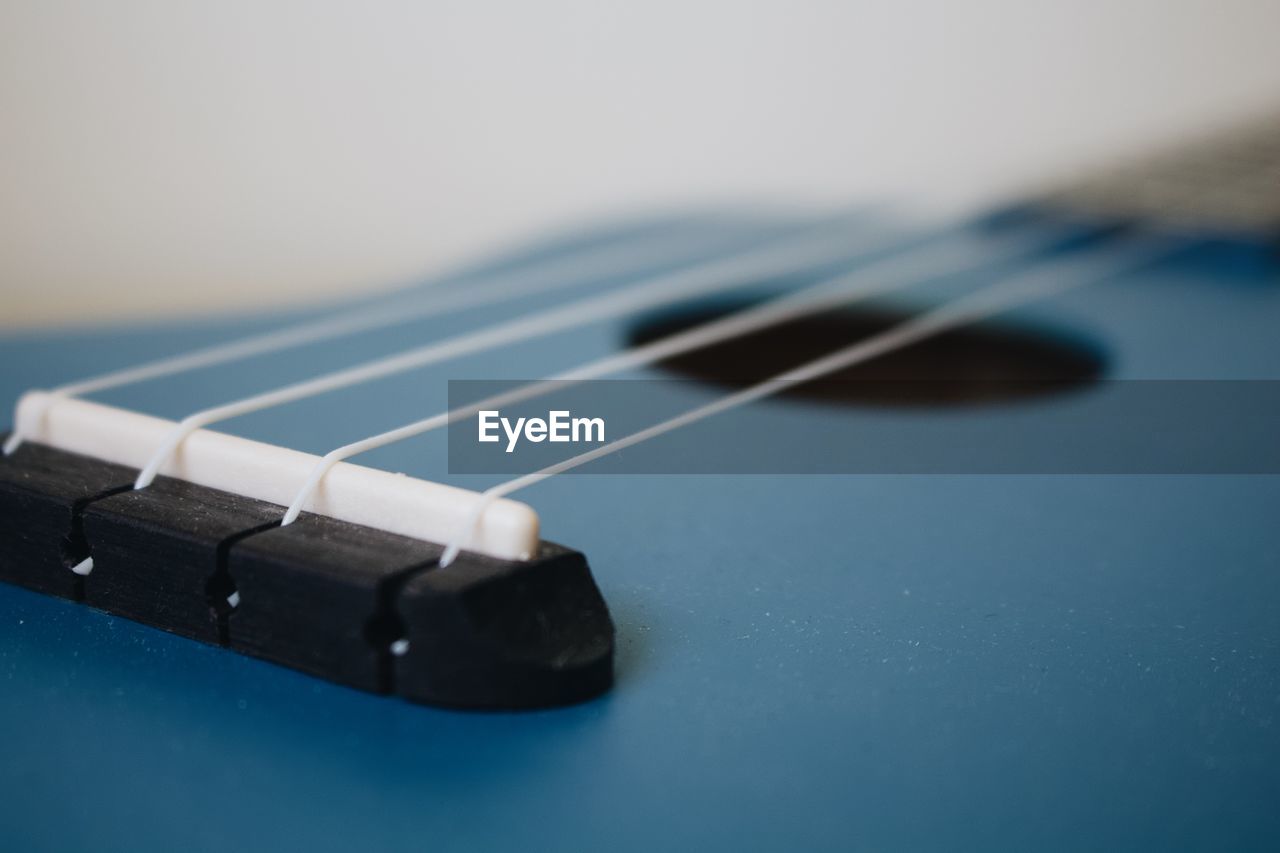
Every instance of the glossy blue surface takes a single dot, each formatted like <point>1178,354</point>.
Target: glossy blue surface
<point>907,663</point>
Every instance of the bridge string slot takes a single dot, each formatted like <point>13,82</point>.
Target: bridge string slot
<point>386,630</point>
<point>221,589</point>
<point>77,553</point>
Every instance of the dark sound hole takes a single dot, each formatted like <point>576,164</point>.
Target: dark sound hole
<point>978,364</point>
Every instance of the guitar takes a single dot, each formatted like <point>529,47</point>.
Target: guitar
<point>940,656</point>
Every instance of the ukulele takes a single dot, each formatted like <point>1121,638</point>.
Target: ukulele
<point>901,532</point>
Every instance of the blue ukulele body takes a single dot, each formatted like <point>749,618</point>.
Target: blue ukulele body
<point>879,661</point>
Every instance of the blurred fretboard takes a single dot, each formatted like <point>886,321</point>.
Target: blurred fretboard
<point>1227,184</point>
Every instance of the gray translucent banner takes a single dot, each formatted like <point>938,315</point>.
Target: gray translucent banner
<point>909,427</point>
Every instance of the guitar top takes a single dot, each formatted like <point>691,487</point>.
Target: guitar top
<point>886,659</point>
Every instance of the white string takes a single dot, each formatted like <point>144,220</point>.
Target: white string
<point>546,276</point>
<point>964,310</point>
<point>780,257</point>
<point>883,276</point>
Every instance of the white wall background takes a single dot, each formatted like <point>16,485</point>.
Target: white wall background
<point>162,156</point>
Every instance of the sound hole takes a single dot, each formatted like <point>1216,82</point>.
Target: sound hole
<point>984,363</point>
